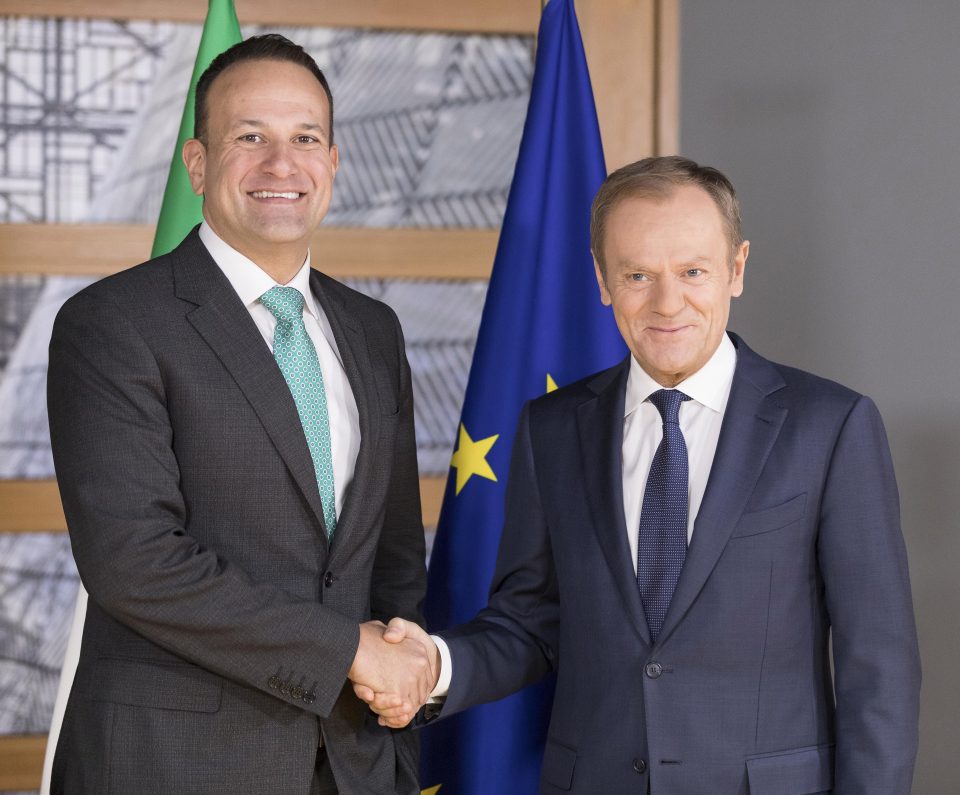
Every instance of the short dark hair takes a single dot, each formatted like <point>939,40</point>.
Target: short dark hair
<point>657,178</point>
<point>268,47</point>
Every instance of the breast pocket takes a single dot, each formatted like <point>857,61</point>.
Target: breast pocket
<point>769,519</point>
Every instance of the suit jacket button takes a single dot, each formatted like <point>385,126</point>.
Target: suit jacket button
<point>653,670</point>
<point>640,765</point>
<point>310,697</point>
<point>328,579</point>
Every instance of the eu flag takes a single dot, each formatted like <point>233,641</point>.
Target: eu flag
<point>543,325</point>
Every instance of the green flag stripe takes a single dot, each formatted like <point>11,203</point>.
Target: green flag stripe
<point>181,208</point>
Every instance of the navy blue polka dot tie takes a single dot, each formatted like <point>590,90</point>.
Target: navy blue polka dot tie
<point>662,545</point>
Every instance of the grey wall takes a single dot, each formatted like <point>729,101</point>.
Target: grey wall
<point>839,123</point>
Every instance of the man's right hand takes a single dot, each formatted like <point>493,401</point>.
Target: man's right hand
<point>395,709</point>
<point>398,670</point>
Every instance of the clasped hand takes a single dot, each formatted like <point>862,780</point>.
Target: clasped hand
<point>396,668</point>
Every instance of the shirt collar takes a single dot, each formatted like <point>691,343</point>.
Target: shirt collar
<point>709,386</point>
<point>246,277</point>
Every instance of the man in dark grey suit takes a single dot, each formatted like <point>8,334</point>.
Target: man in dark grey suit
<point>233,437</point>
<point>686,535</point>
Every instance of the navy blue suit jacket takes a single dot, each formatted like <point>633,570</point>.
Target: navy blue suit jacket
<point>797,539</point>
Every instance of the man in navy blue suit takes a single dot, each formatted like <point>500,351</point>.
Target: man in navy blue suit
<point>687,534</point>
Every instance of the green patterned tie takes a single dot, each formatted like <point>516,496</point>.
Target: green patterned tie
<point>297,358</point>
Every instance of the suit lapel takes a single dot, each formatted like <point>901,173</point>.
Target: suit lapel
<point>600,424</point>
<point>357,363</point>
<point>226,326</point>
<point>750,427</point>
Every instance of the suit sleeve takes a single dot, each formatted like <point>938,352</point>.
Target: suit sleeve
<point>119,480</point>
<point>867,586</point>
<point>399,573</point>
<point>513,641</point>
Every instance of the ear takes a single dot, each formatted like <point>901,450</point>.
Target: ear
<point>335,158</point>
<point>605,298</point>
<point>195,159</point>
<point>738,267</point>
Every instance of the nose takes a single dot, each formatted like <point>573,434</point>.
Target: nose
<point>279,160</point>
<point>668,297</point>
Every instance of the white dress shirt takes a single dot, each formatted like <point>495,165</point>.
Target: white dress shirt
<point>700,421</point>
<point>250,282</point>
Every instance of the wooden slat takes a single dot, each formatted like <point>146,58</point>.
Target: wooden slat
<point>100,249</point>
<point>21,761</point>
<point>619,37</point>
<point>30,506</point>
<point>481,16</point>
<point>33,506</point>
<point>668,78</point>
<point>431,497</point>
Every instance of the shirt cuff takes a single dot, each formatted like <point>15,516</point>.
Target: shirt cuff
<point>446,671</point>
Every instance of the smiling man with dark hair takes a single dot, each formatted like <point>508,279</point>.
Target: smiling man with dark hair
<point>233,438</point>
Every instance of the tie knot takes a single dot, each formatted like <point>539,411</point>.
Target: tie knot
<point>668,403</point>
<point>284,303</point>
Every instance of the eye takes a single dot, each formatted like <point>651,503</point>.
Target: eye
<point>694,272</point>
<point>251,138</point>
<point>306,139</point>
<point>638,277</point>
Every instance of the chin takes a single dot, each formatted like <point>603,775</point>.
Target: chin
<point>280,233</point>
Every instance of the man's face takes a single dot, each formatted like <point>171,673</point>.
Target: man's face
<point>266,172</point>
<point>670,276</point>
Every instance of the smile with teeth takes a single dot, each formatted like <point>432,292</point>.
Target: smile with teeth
<point>269,194</point>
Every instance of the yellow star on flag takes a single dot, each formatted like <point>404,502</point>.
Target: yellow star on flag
<point>551,384</point>
<point>470,458</point>
<point>431,791</point>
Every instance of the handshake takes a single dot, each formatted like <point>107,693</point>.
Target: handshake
<point>396,668</point>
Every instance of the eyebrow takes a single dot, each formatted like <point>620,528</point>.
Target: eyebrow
<point>260,123</point>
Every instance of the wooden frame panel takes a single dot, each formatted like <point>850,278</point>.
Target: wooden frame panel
<point>632,48</point>
<point>30,506</point>
<point>78,249</point>
<point>619,40</point>
<point>667,109</point>
<point>21,761</point>
<point>463,16</point>
<point>33,506</point>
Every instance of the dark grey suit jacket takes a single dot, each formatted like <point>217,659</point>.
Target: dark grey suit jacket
<point>221,625</point>
<point>798,536</point>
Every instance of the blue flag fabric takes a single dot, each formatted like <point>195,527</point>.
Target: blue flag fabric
<point>542,325</point>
